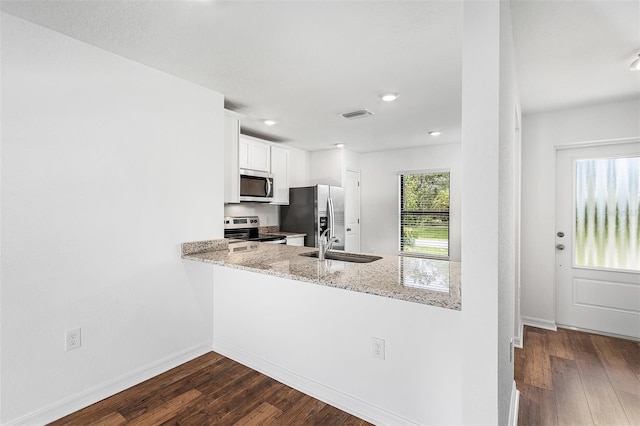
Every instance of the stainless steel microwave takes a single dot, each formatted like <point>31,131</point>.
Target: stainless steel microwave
<point>256,186</point>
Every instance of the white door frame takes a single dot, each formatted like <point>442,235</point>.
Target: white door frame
<point>349,209</point>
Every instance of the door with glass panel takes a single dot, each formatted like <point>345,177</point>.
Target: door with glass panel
<point>597,238</point>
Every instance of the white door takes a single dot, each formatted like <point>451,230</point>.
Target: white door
<point>352,211</point>
<point>597,242</point>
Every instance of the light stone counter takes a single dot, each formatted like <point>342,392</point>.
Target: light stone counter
<point>427,281</point>
<point>274,230</point>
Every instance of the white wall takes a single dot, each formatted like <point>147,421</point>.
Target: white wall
<point>480,215</point>
<point>298,167</point>
<point>541,132</point>
<point>508,198</point>
<point>329,166</point>
<point>318,339</point>
<point>107,166</point>
<point>379,193</point>
<point>326,167</point>
<point>351,160</point>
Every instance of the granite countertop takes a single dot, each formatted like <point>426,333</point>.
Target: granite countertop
<point>428,281</point>
<point>271,230</point>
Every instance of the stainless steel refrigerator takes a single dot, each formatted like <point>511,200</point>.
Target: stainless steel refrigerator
<point>311,210</point>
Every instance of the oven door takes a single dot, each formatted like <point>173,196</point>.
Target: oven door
<point>256,186</point>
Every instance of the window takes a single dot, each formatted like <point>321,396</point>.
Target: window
<point>424,214</point>
<point>607,213</point>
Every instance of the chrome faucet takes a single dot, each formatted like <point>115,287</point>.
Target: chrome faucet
<point>326,243</point>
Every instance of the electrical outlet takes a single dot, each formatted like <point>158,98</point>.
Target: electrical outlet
<point>72,339</point>
<point>378,347</point>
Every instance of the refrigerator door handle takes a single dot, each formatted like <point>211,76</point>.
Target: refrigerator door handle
<point>328,223</point>
<point>332,219</point>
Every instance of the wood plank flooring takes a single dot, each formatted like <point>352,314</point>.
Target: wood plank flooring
<point>568,377</point>
<point>210,390</point>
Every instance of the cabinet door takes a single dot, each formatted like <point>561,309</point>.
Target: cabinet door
<point>280,172</point>
<point>231,173</point>
<point>254,155</point>
<point>259,156</point>
<point>295,241</point>
<point>243,154</point>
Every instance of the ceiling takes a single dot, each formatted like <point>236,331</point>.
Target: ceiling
<point>303,63</point>
<point>571,53</point>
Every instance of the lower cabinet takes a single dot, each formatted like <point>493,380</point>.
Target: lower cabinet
<point>295,241</point>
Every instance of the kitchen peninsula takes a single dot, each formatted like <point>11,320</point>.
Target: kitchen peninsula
<point>427,281</point>
<point>379,340</point>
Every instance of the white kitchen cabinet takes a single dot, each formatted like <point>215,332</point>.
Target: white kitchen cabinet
<point>280,172</point>
<point>243,153</point>
<point>231,175</point>
<point>254,154</point>
<point>295,241</point>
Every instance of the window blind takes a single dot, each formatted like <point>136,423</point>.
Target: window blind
<point>424,214</point>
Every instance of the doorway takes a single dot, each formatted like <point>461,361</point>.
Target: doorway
<point>352,211</point>
<point>597,238</point>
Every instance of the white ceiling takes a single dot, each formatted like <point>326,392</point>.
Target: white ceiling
<point>572,53</point>
<point>305,62</point>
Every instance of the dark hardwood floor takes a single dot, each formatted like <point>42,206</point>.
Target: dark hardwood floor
<point>210,390</point>
<point>568,377</point>
<point>565,377</point>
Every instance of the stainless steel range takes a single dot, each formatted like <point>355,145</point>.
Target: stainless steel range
<point>246,228</point>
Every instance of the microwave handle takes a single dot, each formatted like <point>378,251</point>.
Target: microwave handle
<point>268,187</point>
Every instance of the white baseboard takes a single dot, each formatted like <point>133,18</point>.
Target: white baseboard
<point>514,406</point>
<point>539,323</point>
<point>336,398</point>
<point>83,399</point>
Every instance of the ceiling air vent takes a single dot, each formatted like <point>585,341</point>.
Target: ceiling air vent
<point>357,114</point>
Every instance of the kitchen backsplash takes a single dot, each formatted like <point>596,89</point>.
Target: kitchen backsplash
<point>268,229</point>
<point>269,215</point>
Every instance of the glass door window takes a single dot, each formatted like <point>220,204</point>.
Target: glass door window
<point>607,213</point>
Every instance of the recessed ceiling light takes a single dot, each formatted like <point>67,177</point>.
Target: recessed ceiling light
<point>389,97</point>
<point>435,133</point>
<point>270,122</point>
<point>635,65</point>
<point>340,145</point>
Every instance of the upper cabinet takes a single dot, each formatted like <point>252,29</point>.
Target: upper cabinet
<point>280,172</point>
<point>246,152</point>
<point>254,154</point>
<point>231,175</point>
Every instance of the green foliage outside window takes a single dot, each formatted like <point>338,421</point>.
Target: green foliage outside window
<point>424,214</point>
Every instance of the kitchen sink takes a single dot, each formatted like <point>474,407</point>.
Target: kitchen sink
<point>345,257</point>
